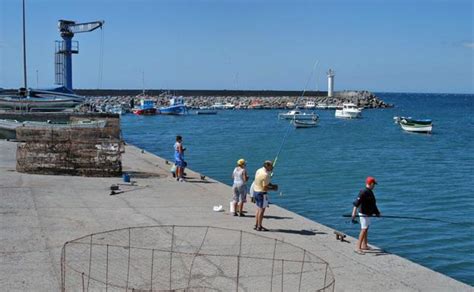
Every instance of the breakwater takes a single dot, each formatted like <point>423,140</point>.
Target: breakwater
<point>241,100</point>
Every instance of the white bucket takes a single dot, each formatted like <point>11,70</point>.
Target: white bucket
<point>231,208</point>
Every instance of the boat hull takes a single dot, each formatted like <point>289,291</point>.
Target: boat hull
<point>173,110</point>
<point>144,112</point>
<point>347,114</point>
<point>417,128</point>
<point>305,123</point>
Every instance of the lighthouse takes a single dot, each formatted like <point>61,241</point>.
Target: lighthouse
<point>330,83</point>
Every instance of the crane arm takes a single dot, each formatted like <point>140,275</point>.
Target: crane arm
<point>72,27</point>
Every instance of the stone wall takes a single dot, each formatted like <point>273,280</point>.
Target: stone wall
<point>71,151</point>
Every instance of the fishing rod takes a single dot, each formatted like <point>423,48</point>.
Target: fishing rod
<point>289,125</point>
<point>412,218</point>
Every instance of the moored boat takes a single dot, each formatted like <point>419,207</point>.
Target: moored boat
<point>310,105</point>
<point>295,114</point>
<point>306,123</point>
<point>176,107</point>
<point>415,125</point>
<point>348,111</point>
<point>146,107</point>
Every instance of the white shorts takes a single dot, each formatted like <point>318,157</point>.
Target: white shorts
<point>364,221</point>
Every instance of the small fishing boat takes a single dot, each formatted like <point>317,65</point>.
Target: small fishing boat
<point>206,112</point>
<point>176,107</point>
<point>218,106</point>
<point>310,105</point>
<point>290,105</point>
<point>41,100</point>
<point>305,123</point>
<point>295,114</point>
<point>8,127</point>
<point>415,125</point>
<point>146,107</point>
<point>229,106</point>
<point>321,106</point>
<point>348,111</point>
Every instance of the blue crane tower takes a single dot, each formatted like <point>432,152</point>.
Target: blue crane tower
<point>66,47</point>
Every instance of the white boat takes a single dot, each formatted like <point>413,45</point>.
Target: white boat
<point>229,105</point>
<point>348,111</point>
<point>218,106</point>
<point>290,105</point>
<point>306,123</point>
<point>322,106</point>
<point>295,114</point>
<point>310,105</point>
<point>415,125</point>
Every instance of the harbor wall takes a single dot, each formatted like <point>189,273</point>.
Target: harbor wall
<point>71,151</point>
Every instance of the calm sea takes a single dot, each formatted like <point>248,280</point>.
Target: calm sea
<point>320,170</point>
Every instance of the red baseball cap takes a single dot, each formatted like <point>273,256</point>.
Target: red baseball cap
<point>370,180</point>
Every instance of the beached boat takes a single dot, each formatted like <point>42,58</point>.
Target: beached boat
<point>41,100</point>
<point>306,123</point>
<point>295,114</point>
<point>310,105</point>
<point>415,125</point>
<point>176,107</point>
<point>146,107</point>
<point>348,111</point>
<point>8,127</point>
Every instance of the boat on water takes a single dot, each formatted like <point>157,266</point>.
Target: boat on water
<point>348,111</point>
<point>306,123</point>
<point>206,112</point>
<point>176,107</point>
<point>146,107</point>
<point>218,106</point>
<point>229,106</point>
<point>290,105</point>
<point>310,105</point>
<point>415,125</point>
<point>298,115</point>
<point>321,106</point>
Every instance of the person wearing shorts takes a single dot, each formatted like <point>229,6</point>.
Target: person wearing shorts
<point>367,206</point>
<point>179,158</point>
<point>261,186</point>
<point>239,187</point>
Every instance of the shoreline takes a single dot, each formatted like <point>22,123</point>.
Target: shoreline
<point>45,211</point>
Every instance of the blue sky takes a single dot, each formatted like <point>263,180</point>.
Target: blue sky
<point>376,45</point>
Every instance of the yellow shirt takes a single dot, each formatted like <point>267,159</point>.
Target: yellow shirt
<point>262,179</point>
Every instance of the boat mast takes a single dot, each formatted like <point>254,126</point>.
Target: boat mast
<point>24,51</point>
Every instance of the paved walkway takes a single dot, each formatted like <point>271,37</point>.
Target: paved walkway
<point>39,213</point>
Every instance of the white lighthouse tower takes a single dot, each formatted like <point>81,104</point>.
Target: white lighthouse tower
<point>330,82</point>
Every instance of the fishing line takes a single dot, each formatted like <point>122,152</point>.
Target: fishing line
<point>289,124</point>
<point>413,218</point>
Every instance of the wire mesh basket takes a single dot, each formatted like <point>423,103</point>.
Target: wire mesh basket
<point>189,258</point>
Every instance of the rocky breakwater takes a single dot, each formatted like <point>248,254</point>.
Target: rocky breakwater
<point>364,99</point>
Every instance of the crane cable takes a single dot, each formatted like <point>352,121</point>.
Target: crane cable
<point>289,124</point>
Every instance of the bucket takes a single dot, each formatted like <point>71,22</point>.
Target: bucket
<point>231,208</point>
<point>126,177</point>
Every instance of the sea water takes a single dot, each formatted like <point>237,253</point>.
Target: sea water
<point>321,170</point>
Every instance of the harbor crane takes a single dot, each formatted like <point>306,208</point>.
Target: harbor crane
<point>66,47</point>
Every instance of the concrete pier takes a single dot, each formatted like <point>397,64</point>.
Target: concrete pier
<point>39,213</point>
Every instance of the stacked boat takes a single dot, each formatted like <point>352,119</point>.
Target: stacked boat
<point>56,99</point>
<point>415,125</point>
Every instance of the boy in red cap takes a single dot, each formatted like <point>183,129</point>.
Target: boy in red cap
<point>367,206</point>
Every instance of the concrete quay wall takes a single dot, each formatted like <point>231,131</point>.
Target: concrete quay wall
<point>39,213</point>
